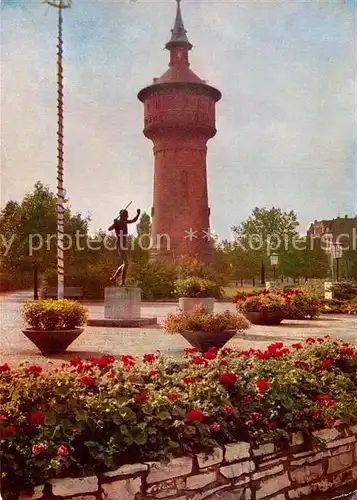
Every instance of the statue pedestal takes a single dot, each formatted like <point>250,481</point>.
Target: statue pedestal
<point>122,303</point>
<point>122,308</point>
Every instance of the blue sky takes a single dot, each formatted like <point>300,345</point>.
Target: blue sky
<point>286,121</point>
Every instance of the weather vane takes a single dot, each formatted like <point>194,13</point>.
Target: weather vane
<point>60,4</point>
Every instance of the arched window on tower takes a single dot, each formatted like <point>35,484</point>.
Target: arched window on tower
<point>184,187</point>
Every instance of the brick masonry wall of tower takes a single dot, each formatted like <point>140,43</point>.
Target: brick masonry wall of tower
<point>180,123</point>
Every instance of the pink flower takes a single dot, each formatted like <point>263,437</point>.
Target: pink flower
<point>215,427</point>
<point>38,448</point>
<point>256,416</point>
<point>228,409</point>
<point>62,451</point>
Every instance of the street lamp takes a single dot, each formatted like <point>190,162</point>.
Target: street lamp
<point>337,251</point>
<point>274,259</point>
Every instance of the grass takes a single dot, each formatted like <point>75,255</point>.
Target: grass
<point>231,291</point>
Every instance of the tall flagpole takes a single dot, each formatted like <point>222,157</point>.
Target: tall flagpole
<point>62,4</point>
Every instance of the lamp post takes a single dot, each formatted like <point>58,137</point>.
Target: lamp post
<point>337,251</point>
<point>274,259</point>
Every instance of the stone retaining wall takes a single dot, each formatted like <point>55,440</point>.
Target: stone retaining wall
<point>239,471</point>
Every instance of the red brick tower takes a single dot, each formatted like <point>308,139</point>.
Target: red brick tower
<point>179,111</point>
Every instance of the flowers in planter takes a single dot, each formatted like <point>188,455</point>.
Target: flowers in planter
<point>199,320</point>
<point>270,302</point>
<point>54,314</point>
<point>196,287</point>
<point>53,418</point>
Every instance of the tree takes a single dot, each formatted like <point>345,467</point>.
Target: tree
<point>266,231</point>
<point>141,243</point>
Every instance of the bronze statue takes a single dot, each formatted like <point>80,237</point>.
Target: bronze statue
<point>120,226</point>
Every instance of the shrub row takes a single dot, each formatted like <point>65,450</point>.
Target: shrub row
<point>97,414</point>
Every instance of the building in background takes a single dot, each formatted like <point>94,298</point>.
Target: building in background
<point>179,118</point>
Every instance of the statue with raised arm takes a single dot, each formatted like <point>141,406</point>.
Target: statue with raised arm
<point>120,226</point>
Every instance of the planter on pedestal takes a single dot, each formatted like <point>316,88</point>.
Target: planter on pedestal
<point>190,303</point>
<point>203,340</point>
<point>265,317</point>
<point>52,341</point>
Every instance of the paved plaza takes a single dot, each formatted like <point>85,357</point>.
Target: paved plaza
<point>15,347</point>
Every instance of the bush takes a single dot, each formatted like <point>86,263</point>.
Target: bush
<point>301,305</point>
<point>54,314</point>
<point>334,306</point>
<point>345,290</point>
<point>94,415</point>
<point>197,287</point>
<point>200,320</point>
<point>351,306</point>
<point>156,279</point>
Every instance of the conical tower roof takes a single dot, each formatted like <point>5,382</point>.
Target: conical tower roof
<point>178,33</point>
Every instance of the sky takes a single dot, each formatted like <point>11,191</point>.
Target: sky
<point>286,121</point>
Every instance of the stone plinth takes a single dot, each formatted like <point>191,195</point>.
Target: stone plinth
<point>328,290</point>
<point>122,303</point>
<point>122,309</point>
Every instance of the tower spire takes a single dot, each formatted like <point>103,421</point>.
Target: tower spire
<point>178,36</point>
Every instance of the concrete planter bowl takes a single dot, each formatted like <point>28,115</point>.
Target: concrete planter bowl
<point>203,340</point>
<point>190,303</point>
<point>52,341</point>
<point>265,317</point>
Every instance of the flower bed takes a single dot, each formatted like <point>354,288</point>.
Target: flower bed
<point>90,416</point>
<point>296,304</point>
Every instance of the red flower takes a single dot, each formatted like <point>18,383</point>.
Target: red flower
<point>75,361</point>
<point>62,451</point>
<point>152,373</point>
<point>272,425</point>
<point>301,364</point>
<point>215,427</point>
<point>210,355</point>
<point>310,340</point>
<point>330,422</point>
<point>228,378</point>
<point>189,380</point>
<point>262,385</point>
<point>3,418</point>
<point>38,448</point>
<point>250,366</point>
<point>36,418</point>
<point>224,362</point>
<point>34,369</point>
<point>228,409</point>
<point>195,416</point>
<point>296,346</point>
<point>142,396</point>
<point>256,416</point>
<point>128,360</point>
<point>227,350</point>
<point>246,399</point>
<point>316,414</point>
<point>87,380</point>
<point>320,340</point>
<point>345,349</point>
<point>198,360</point>
<point>324,400</point>
<point>4,368</point>
<point>190,350</point>
<point>149,358</point>
<point>326,363</point>
<point>172,397</point>
<point>10,430</point>
<point>111,374</point>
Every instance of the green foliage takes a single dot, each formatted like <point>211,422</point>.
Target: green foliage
<point>93,415</point>
<point>270,302</point>
<point>54,314</point>
<point>200,320</point>
<point>345,290</point>
<point>156,279</point>
<point>197,287</point>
